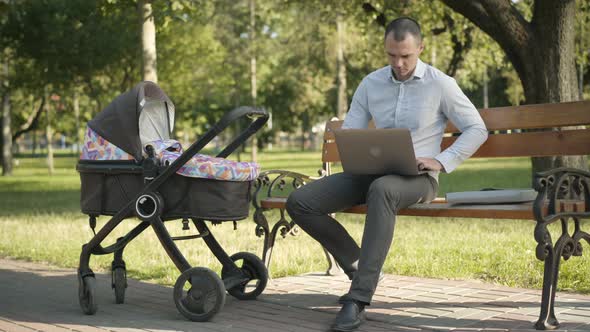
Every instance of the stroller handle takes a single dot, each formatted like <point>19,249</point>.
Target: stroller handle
<point>260,117</point>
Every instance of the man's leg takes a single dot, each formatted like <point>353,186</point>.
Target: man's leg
<point>386,196</point>
<point>311,204</point>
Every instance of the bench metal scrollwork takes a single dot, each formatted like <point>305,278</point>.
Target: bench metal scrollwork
<point>563,196</point>
<point>275,183</point>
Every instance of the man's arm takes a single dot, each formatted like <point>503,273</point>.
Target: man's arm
<point>358,115</point>
<point>461,112</point>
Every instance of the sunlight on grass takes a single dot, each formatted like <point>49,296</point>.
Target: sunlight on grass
<point>40,221</point>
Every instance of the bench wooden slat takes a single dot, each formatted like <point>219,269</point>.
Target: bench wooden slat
<point>517,117</point>
<point>532,144</point>
<point>535,116</point>
<point>499,211</point>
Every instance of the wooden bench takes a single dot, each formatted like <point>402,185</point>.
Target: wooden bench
<point>563,195</point>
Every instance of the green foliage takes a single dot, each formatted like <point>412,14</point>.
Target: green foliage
<point>59,46</point>
<point>67,39</point>
<point>204,51</point>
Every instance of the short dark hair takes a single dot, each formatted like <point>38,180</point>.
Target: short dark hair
<point>402,26</point>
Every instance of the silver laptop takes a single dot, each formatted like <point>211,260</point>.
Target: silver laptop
<point>377,151</point>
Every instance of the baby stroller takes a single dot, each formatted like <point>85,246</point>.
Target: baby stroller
<point>129,167</point>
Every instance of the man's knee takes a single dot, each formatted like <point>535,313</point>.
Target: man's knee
<point>383,188</point>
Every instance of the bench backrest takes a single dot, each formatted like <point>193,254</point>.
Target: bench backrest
<point>506,138</point>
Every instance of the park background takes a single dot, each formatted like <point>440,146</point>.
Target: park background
<point>64,61</point>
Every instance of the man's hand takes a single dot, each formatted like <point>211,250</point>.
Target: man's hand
<point>429,164</point>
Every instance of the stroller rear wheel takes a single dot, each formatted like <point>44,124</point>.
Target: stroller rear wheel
<point>252,268</point>
<point>119,283</point>
<point>87,294</point>
<point>199,294</point>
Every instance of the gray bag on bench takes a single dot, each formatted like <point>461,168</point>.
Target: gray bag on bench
<point>492,196</point>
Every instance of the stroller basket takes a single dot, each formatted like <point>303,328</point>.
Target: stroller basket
<point>129,167</point>
<point>108,186</point>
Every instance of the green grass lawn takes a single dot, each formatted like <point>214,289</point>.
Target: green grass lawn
<point>40,221</point>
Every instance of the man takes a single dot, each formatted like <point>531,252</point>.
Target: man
<point>409,94</point>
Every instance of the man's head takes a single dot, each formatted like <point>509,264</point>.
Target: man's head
<point>403,45</point>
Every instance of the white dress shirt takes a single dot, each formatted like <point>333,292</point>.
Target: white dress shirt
<point>423,103</point>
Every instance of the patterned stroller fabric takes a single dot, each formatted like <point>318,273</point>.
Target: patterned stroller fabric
<point>98,148</point>
<point>200,166</point>
<point>204,166</point>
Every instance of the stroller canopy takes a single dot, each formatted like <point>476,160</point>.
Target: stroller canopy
<point>141,115</point>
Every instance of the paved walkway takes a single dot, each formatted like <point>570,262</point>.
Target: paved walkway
<point>44,298</point>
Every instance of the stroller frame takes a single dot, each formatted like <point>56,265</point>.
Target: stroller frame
<point>147,205</point>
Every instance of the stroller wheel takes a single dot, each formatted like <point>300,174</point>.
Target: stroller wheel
<point>254,270</point>
<point>87,294</point>
<point>119,276</point>
<point>199,294</point>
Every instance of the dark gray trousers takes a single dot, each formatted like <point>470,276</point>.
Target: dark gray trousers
<point>311,204</point>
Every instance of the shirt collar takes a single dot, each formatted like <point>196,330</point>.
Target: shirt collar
<point>418,71</point>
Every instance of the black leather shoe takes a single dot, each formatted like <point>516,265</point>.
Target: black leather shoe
<point>349,318</point>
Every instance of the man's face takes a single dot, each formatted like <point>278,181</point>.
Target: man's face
<point>403,55</point>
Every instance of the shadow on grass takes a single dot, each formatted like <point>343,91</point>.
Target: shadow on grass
<point>29,202</point>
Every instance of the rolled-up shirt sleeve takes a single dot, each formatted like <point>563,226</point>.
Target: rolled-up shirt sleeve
<point>461,112</point>
<point>358,115</point>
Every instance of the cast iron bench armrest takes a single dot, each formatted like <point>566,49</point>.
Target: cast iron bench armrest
<point>268,185</point>
<point>272,181</point>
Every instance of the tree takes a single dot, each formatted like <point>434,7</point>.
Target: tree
<point>541,50</point>
<point>342,99</point>
<point>253,89</point>
<point>582,42</point>
<point>64,45</point>
<point>148,41</point>
<point>5,120</point>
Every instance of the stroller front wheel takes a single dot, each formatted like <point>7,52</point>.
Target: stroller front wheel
<point>199,294</point>
<point>119,283</point>
<point>254,270</point>
<point>87,294</point>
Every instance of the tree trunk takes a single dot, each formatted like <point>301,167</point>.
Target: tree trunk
<point>541,52</point>
<point>342,102</point>
<point>305,128</point>
<point>253,71</point>
<point>78,138</point>
<point>557,82</point>
<point>34,151</point>
<point>6,135</point>
<point>486,103</point>
<point>48,135</point>
<point>581,81</point>
<point>32,121</point>
<point>433,52</point>
<point>148,40</point>
<point>6,125</point>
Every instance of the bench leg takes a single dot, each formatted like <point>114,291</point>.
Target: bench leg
<point>563,196</point>
<point>565,246</point>
<point>282,227</point>
<point>547,319</point>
